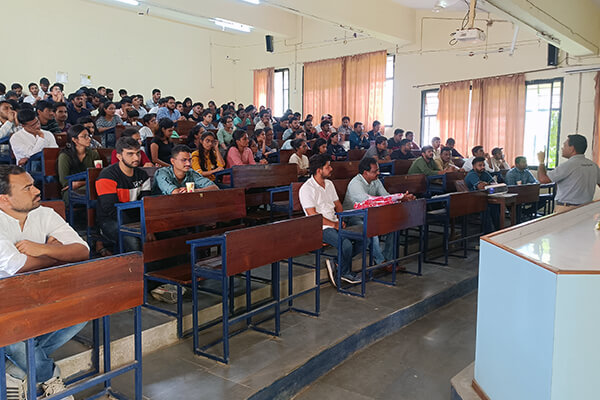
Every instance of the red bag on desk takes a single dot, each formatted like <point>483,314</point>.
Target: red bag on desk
<point>376,201</point>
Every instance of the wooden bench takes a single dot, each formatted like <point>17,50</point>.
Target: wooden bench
<point>413,184</point>
<point>243,250</point>
<point>377,221</point>
<point>184,127</point>
<point>356,154</point>
<point>44,301</point>
<point>452,178</point>
<point>401,167</point>
<point>43,168</point>
<point>88,199</point>
<point>58,206</point>
<point>526,195</point>
<point>61,140</point>
<point>183,212</point>
<point>344,169</point>
<point>284,156</point>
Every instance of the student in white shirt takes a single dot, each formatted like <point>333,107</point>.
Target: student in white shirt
<point>299,157</point>
<point>477,151</point>
<point>34,237</point>
<point>34,94</point>
<point>318,196</point>
<point>31,139</point>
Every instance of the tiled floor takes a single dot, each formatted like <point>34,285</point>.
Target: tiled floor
<point>415,363</point>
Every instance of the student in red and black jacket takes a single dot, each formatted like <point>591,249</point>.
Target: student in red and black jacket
<point>121,183</point>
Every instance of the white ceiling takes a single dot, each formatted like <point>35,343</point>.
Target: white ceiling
<point>454,5</point>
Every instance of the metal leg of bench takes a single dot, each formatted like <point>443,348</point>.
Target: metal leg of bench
<point>421,255</point>
<point>179,311</point>
<point>2,375</point>
<point>248,297</point>
<point>31,375</point>
<point>405,242</point>
<point>275,274</point>
<point>194,302</point>
<point>231,292</point>
<point>318,282</point>
<point>106,344</point>
<point>225,289</point>
<point>137,327</point>
<point>446,245</point>
<point>290,281</point>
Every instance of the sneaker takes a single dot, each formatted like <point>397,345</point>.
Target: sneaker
<point>16,389</point>
<point>330,272</point>
<point>54,386</point>
<point>166,293</point>
<point>351,278</point>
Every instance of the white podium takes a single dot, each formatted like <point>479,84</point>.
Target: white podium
<point>538,313</point>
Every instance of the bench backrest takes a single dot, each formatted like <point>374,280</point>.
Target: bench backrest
<point>395,217</point>
<point>452,178</point>
<point>44,301</point>
<point>253,247</point>
<point>356,154</point>
<point>264,175</point>
<point>526,193</point>
<point>171,212</point>
<point>50,157</point>
<point>106,155</point>
<point>56,205</point>
<point>414,184</point>
<point>467,203</point>
<point>401,167</point>
<point>184,127</point>
<point>284,156</point>
<point>344,169</point>
<point>120,128</point>
<point>61,139</point>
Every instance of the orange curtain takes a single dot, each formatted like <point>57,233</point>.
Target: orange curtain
<point>596,138</point>
<point>453,114</point>
<point>498,114</point>
<point>263,87</point>
<point>364,79</point>
<point>323,89</point>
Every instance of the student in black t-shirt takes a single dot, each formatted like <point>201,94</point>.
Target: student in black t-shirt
<point>161,146</point>
<point>403,152</point>
<point>121,183</point>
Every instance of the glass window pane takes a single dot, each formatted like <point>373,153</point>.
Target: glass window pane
<point>541,124</point>
<point>556,95</point>
<point>286,78</point>
<point>389,67</point>
<point>431,103</point>
<point>388,102</point>
<point>278,94</point>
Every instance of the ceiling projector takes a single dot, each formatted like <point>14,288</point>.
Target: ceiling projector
<point>469,35</point>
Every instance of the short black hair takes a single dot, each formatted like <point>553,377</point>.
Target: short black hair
<point>162,100</point>
<point>180,148</point>
<point>476,149</point>
<point>126,99</point>
<point>148,117</point>
<point>57,105</point>
<point>129,132</point>
<point>478,159</point>
<point>2,88</point>
<point>109,90</point>
<point>156,91</point>
<point>198,104</point>
<point>325,122</point>
<point>356,124</point>
<point>101,87</point>
<point>133,113</point>
<point>16,86</point>
<point>84,120</point>
<point>404,142</point>
<point>26,115</point>
<point>365,164</point>
<point>579,142</point>
<point>122,91</point>
<point>425,148</point>
<point>11,93</point>
<point>519,158</point>
<point>297,143</point>
<point>445,148</point>
<point>42,105</point>
<point>31,84</point>
<point>5,172</point>
<point>170,98</point>
<point>58,85</point>
<point>450,141</point>
<point>318,161</point>
<point>398,131</point>
<point>206,112</point>
<point>410,133</point>
<point>44,81</point>
<point>126,143</point>
<point>380,139</point>
<point>376,123</point>
<point>345,119</point>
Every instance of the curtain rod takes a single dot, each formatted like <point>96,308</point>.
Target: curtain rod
<point>486,77</point>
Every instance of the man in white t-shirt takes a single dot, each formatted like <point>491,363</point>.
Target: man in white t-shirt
<point>31,139</point>
<point>34,94</point>
<point>32,238</point>
<point>318,196</point>
<point>478,151</point>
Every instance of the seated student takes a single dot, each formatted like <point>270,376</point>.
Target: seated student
<point>121,183</point>
<point>325,129</point>
<point>520,174</point>
<point>478,153</point>
<point>394,142</point>
<point>264,120</point>
<point>30,139</point>
<point>133,133</point>
<point>318,196</point>
<point>270,141</point>
<point>207,159</point>
<point>375,132</point>
<point>478,178</point>
<point>77,107</point>
<point>61,115</point>
<point>436,143</point>
<point>359,139</point>
<point>263,150</point>
<point>379,151</point>
<point>45,113</point>
<point>150,126</point>
<point>444,160</point>
<point>345,128</point>
<point>76,157</point>
<point>89,124</point>
<point>170,111</point>
<point>34,237</point>
<point>294,127</point>
<point>132,118</point>
<point>335,149</point>
<point>451,143</point>
<point>309,130</point>
<point>34,94</point>
<point>497,162</point>
<point>225,134</point>
<point>194,137</point>
<point>137,101</point>
<point>287,145</point>
<point>411,136</point>
<point>161,145</point>
<point>175,178</point>
<point>196,113</point>
<point>367,183</point>
<point>207,120</point>
<point>106,122</point>
<point>241,121</point>
<point>299,157</point>
<point>280,127</point>
<point>8,119</point>
<point>403,152</point>
<point>425,164</point>
<point>319,147</point>
<point>239,153</point>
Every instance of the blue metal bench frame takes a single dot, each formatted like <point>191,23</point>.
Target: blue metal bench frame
<point>76,198</point>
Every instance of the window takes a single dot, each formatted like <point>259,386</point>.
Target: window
<point>388,92</point>
<point>543,103</point>
<point>282,91</point>
<point>430,126</point>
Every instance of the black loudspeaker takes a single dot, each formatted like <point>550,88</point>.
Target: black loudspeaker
<point>269,40</point>
<point>552,55</point>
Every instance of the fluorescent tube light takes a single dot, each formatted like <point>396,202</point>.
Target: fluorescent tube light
<point>224,23</point>
<point>130,2</point>
<point>252,1</point>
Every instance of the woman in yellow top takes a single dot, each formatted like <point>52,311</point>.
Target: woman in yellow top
<point>208,159</point>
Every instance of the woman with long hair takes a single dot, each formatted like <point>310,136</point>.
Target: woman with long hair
<point>207,159</point>
<point>335,149</point>
<point>319,147</point>
<point>239,153</point>
<point>106,122</point>
<point>161,146</point>
<point>194,137</point>
<point>187,106</point>
<point>225,134</point>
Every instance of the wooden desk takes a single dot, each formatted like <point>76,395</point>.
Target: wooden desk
<point>505,201</point>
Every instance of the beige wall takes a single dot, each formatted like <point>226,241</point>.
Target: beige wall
<point>117,47</point>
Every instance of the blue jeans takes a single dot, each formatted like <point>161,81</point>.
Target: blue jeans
<point>379,255</point>
<point>349,249</point>
<point>110,231</point>
<point>44,346</point>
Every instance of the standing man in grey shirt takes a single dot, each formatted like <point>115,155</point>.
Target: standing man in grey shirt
<point>575,179</point>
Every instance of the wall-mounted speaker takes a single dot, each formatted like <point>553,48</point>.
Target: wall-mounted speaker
<point>552,55</point>
<point>269,41</point>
